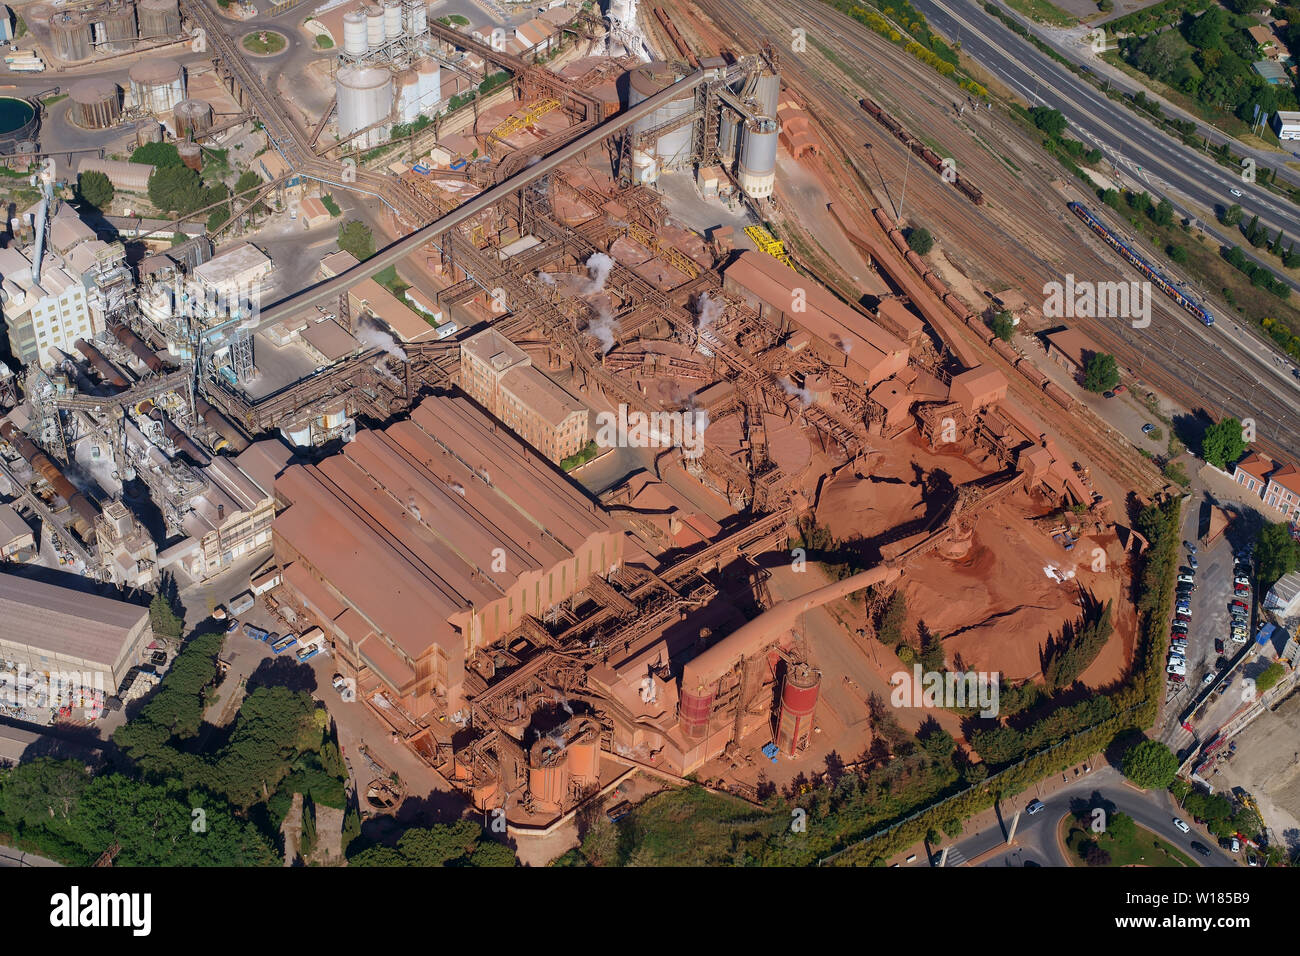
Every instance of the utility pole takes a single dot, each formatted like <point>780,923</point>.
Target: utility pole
<point>903,195</point>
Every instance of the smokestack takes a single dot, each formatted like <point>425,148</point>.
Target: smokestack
<point>42,213</point>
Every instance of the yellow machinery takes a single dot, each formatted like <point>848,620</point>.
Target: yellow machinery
<point>768,243</point>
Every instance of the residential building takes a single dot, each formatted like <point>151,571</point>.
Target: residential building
<point>1283,490</point>
<point>1252,472</point>
<point>500,376</point>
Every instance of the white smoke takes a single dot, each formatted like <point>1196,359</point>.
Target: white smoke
<point>802,394</point>
<point>598,269</point>
<point>844,345</point>
<point>369,333</point>
<point>1059,575</point>
<point>603,328</point>
<point>457,487</point>
<point>709,311</point>
<point>545,278</point>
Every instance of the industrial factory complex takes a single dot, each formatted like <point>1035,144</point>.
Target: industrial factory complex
<point>561,377</point>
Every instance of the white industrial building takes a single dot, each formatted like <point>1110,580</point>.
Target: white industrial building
<point>1283,598</point>
<point>1286,123</point>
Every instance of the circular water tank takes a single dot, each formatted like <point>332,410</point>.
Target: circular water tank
<point>157,85</point>
<point>392,19</point>
<point>158,18</point>
<point>149,131</point>
<point>374,25</point>
<point>430,82</point>
<point>70,34</point>
<point>354,33</point>
<point>96,103</point>
<point>758,157</point>
<point>798,702</point>
<point>672,150</point>
<point>365,97</point>
<point>408,95</point>
<point>191,155</point>
<point>193,117</point>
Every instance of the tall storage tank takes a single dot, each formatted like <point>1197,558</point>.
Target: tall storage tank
<point>672,150</point>
<point>758,157</point>
<point>193,117</point>
<point>70,33</point>
<point>355,41</point>
<point>794,726</point>
<point>96,103</point>
<point>148,131</point>
<point>116,22</point>
<point>157,85</point>
<point>392,19</point>
<point>766,94</point>
<point>416,14</point>
<point>191,155</point>
<point>408,95</point>
<point>374,26</point>
<point>430,83</point>
<point>158,18</point>
<point>728,137</point>
<point>694,709</point>
<point>365,97</point>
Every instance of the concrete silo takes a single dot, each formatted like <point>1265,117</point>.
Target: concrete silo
<point>114,26</point>
<point>374,26</point>
<point>70,35</point>
<point>157,85</point>
<point>96,103</point>
<point>392,19</point>
<point>193,116</point>
<point>672,149</point>
<point>355,41</point>
<point>158,18</point>
<point>416,15</point>
<point>365,97</point>
<point>757,171</point>
<point>794,724</point>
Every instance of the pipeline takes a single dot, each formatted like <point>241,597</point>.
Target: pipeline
<point>106,369</point>
<point>219,423</point>
<point>142,351</point>
<point>48,470</point>
<point>182,441</point>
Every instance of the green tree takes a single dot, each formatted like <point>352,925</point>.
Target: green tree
<point>246,181</point>
<point>1276,553</point>
<point>1050,121</point>
<point>1101,372</point>
<point>157,154</point>
<point>165,621</point>
<point>491,853</point>
<point>1231,216</point>
<point>355,237</point>
<point>1176,253</point>
<point>94,189</point>
<point>1206,31</point>
<point>1150,765</point>
<point>1223,443</point>
<point>1163,214</point>
<point>889,630</point>
<point>176,189</point>
<point>920,241</point>
<point>1004,326</point>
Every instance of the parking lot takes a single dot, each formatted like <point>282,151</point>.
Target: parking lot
<point>1211,618</point>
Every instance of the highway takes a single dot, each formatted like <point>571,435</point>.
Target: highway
<point>1158,162</point>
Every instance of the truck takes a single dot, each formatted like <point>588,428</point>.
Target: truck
<point>255,632</point>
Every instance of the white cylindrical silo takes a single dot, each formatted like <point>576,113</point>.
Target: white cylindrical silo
<point>374,25</point>
<point>157,85</point>
<point>767,93</point>
<point>355,41</point>
<point>408,95</point>
<point>392,19</point>
<point>758,157</point>
<point>672,150</point>
<point>430,83</point>
<point>365,98</point>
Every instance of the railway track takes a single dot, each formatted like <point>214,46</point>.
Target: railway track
<point>1002,242</point>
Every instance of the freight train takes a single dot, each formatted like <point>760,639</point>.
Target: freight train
<point>1144,267</point>
<point>929,156</point>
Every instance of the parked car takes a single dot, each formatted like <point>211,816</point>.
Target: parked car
<point>1236,845</point>
<point>1189,546</point>
<point>1035,807</point>
<point>1218,645</point>
<point>1201,848</point>
<point>1176,678</point>
<point>1186,579</point>
<point>1121,389</point>
<point>1208,679</point>
<point>1191,560</point>
<point>1241,604</point>
<point>233,626</point>
<point>1176,667</point>
<point>1182,825</point>
<point>1148,428</point>
<point>1241,579</point>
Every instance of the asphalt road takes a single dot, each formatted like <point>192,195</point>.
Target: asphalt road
<point>1193,182</point>
<point>1036,835</point>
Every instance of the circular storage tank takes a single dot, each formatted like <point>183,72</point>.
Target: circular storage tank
<point>584,760</point>
<point>758,157</point>
<point>19,120</point>
<point>193,117</point>
<point>70,35</point>
<point>408,95</point>
<point>158,18</point>
<point>798,702</point>
<point>191,155</point>
<point>150,131</point>
<point>694,710</point>
<point>728,136</point>
<point>115,26</point>
<point>548,774</point>
<point>365,97</point>
<point>430,82</point>
<point>355,42</point>
<point>672,150</point>
<point>157,85</point>
<point>96,103</point>
<point>374,25</point>
<point>392,19</point>
<point>417,17</point>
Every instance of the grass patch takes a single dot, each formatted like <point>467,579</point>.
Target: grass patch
<point>1043,12</point>
<point>390,280</point>
<point>51,100</point>
<point>323,42</point>
<point>273,42</point>
<point>1143,848</point>
<point>581,458</point>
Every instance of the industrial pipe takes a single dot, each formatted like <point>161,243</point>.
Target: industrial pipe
<point>219,423</point>
<point>107,370</point>
<point>141,351</point>
<point>48,470</point>
<point>182,441</point>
